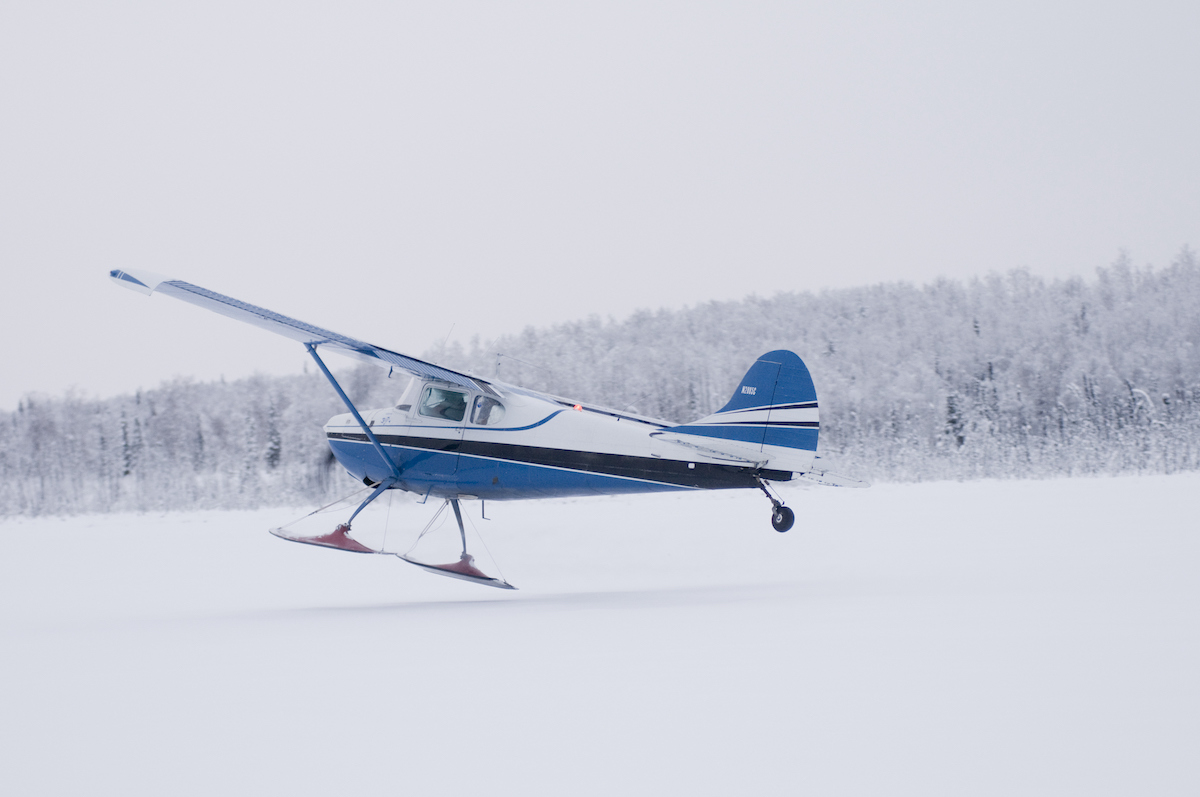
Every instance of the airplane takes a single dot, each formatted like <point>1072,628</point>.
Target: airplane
<point>456,436</point>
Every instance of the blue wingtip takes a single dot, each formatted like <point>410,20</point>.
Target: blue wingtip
<point>117,274</point>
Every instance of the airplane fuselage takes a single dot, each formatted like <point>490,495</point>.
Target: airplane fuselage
<point>450,442</point>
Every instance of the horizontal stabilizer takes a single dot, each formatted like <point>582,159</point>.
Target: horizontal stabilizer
<point>716,449</point>
<point>829,479</point>
<point>148,282</point>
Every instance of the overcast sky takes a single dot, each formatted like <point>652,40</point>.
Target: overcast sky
<point>394,171</point>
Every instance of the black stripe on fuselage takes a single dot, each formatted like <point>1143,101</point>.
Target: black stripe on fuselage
<point>805,424</point>
<point>808,405</point>
<point>666,471</point>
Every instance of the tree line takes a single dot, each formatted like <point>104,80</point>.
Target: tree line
<point>1010,375</point>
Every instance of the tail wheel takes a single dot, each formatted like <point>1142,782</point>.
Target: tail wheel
<point>783,518</point>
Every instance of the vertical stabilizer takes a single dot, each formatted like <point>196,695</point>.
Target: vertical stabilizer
<point>773,411</point>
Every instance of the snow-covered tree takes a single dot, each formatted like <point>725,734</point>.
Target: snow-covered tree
<point>1008,375</point>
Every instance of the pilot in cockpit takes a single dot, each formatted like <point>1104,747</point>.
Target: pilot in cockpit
<point>448,404</point>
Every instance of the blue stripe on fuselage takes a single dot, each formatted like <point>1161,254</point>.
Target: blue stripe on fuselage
<point>444,474</point>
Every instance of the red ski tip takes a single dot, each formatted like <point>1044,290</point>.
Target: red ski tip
<point>338,538</point>
<point>464,567</point>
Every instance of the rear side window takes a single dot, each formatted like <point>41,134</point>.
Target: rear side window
<point>438,402</point>
<point>487,411</point>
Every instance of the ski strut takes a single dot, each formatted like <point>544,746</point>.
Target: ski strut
<point>464,568</point>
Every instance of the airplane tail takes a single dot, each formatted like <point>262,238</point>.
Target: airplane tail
<point>772,419</point>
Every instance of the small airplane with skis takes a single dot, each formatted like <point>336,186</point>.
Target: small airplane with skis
<point>455,436</point>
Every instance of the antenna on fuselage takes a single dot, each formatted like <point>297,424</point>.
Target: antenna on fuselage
<point>447,341</point>
<point>500,354</point>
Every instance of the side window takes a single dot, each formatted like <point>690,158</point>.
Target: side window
<point>487,411</point>
<point>440,403</point>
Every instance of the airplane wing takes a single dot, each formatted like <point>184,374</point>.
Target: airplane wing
<point>148,282</point>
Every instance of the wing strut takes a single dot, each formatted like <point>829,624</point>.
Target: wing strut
<point>354,411</point>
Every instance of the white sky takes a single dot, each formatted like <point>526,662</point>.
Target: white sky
<point>389,170</point>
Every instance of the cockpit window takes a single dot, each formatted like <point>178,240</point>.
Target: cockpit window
<point>441,403</point>
<point>487,411</point>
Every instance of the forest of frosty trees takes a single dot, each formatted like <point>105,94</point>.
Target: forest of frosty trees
<point>1006,376</point>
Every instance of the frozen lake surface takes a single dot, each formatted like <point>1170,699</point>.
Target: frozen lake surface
<point>981,638</point>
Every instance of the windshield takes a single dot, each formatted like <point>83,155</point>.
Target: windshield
<point>409,395</point>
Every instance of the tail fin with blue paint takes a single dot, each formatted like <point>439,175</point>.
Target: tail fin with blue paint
<point>772,419</point>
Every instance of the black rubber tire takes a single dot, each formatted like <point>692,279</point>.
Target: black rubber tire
<point>783,519</point>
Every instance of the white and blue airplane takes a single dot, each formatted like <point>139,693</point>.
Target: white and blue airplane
<point>456,436</point>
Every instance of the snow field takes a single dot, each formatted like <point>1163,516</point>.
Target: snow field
<point>1010,637</point>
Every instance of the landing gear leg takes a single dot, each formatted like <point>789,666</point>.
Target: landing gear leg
<point>464,568</point>
<point>340,537</point>
<point>782,518</point>
<point>466,557</point>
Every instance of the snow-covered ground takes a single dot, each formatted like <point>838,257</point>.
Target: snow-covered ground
<point>981,638</point>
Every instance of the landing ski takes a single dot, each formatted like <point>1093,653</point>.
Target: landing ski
<point>339,538</point>
<point>464,569</point>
